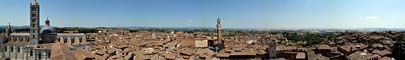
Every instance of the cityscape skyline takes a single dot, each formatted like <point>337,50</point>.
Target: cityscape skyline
<point>234,13</point>
<point>181,30</point>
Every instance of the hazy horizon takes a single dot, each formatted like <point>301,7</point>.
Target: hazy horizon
<point>260,14</point>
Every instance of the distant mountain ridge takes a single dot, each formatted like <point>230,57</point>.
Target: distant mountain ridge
<point>2,28</point>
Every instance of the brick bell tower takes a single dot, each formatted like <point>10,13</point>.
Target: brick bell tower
<point>220,43</point>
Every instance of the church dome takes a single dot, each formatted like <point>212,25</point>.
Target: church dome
<point>48,33</point>
<point>48,30</point>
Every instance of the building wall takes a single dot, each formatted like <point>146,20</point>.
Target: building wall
<point>72,40</point>
<point>19,52</point>
<point>19,38</point>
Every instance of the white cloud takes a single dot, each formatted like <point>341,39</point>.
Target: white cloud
<point>189,22</point>
<point>371,17</point>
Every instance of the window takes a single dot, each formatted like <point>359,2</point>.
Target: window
<point>31,53</point>
<point>72,39</point>
<point>12,49</point>
<point>33,15</point>
<point>5,48</point>
<point>18,49</point>
<point>64,39</point>
<point>80,39</point>
<point>32,26</point>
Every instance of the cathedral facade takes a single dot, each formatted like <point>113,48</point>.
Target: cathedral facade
<point>38,43</point>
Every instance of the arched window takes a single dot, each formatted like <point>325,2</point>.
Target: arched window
<point>18,49</point>
<point>65,39</point>
<point>12,48</point>
<point>72,38</point>
<point>5,48</point>
<point>80,39</point>
<point>31,52</point>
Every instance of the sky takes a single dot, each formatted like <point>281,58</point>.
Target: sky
<point>267,14</point>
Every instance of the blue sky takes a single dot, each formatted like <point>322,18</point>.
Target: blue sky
<point>271,14</point>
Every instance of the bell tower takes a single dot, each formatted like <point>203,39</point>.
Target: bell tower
<point>219,30</point>
<point>34,23</point>
<point>220,43</point>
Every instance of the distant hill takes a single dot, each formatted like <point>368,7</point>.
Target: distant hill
<point>205,29</point>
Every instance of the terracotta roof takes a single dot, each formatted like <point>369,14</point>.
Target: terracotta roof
<point>244,53</point>
<point>285,47</point>
<point>323,46</point>
<point>148,51</point>
<point>187,43</point>
<point>104,57</point>
<point>347,48</point>
<point>321,57</point>
<point>170,56</point>
<point>170,44</point>
<point>60,51</point>
<point>376,45</point>
<point>116,56</point>
<point>129,56</point>
<point>204,51</point>
<point>385,58</point>
<point>187,51</point>
<point>120,46</point>
<point>281,59</point>
<point>351,48</point>
<point>382,53</point>
<point>362,56</point>
<point>154,57</point>
<point>82,54</point>
<point>223,54</point>
<point>101,52</point>
<point>261,52</point>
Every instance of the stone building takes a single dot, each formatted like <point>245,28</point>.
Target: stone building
<point>17,47</point>
<point>37,44</point>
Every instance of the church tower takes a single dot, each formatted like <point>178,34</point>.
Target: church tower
<point>219,30</point>
<point>272,49</point>
<point>8,30</point>
<point>220,44</point>
<point>34,23</point>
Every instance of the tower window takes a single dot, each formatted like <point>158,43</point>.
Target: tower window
<point>33,15</point>
<point>5,48</point>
